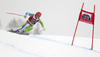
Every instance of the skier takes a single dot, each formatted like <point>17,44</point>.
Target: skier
<point>28,25</point>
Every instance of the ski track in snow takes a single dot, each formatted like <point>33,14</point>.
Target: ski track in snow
<point>18,49</point>
<point>43,38</point>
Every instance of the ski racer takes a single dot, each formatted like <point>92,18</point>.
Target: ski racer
<point>28,25</point>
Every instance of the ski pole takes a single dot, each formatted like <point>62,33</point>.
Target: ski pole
<point>41,31</point>
<point>14,14</point>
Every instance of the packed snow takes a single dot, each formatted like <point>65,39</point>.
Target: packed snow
<point>15,45</point>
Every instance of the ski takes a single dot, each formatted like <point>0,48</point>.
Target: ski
<point>23,33</point>
<point>18,33</point>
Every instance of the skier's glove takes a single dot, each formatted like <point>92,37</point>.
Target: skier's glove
<point>25,16</point>
<point>44,29</point>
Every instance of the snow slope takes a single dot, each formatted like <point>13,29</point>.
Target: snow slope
<point>14,45</point>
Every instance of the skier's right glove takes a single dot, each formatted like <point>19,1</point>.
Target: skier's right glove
<point>25,16</point>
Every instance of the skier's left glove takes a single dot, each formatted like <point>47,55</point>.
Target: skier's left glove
<point>44,29</point>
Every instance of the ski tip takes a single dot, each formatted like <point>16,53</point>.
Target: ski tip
<point>9,30</point>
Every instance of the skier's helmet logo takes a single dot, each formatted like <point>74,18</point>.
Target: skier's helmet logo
<point>38,14</point>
